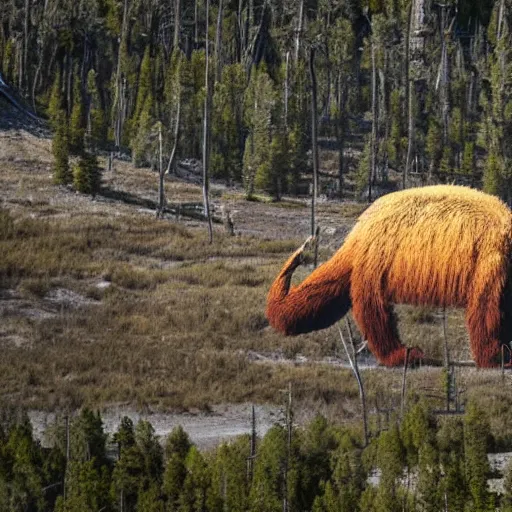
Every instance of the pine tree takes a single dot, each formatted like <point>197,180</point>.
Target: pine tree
<point>151,452</point>
<point>395,141</point>
<point>55,105</point>
<point>96,122</point>
<point>197,482</point>
<point>60,148</point>
<point>145,87</point>
<point>192,97</point>
<point>87,174</point>
<point>125,435</point>
<point>25,461</point>
<point>260,101</point>
<point>129,469</point>
<point>76,121</point>
<point>422,427</point>
<point>362,170</point>
<point>506,501</point>
<point>317,444</point>
<point>476,431</point>
<point>492,181</point>
<point>391,460</point>
<point>434,147</point>
<point>348,476</point>
<point>143,144</point>
<point>276,474</point>
<point>150,500</point>
<point>271,175</point>
<point>468,164</point>
<point>229,489</point>
<point>177,447</point>
<point>453,485</point>
<point>87,487</point>
<point>227,129</point>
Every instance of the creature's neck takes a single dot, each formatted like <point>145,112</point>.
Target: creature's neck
<point>320,300</point>
<point>281,286</point>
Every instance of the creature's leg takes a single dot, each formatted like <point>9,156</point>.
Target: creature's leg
<point>377,322</point>
<point>484,324</point>
<point>506,320</point>
<point>489,322</point>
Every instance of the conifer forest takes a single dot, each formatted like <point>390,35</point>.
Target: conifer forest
<point>423,465</point>
<point>279,102</point>
<point>423,85</point>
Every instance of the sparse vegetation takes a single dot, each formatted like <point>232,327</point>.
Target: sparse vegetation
<point>159,314</point>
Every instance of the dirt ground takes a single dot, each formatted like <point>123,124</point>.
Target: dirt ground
<point>206,429</point>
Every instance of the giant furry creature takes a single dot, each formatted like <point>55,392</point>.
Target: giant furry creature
<point>439,246</point>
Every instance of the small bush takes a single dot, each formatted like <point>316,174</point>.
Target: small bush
<point>134,279</point>
<point>423,315</point>
<point>255,322</point>
<point>249,281</point>
<point>34,287</point>
<point>60,149</point>
<point>87,174</point>
<point>6,225</point>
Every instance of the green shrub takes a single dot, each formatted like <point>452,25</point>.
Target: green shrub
<point>87,174</point>
<point>60,149</point>
<point>6,225</point>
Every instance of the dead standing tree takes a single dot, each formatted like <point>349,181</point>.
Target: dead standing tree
<point>162,171</point>
<point>314,142</point>
<point>119,107</point>
<point>352,359</point>
<point>206,132</point>
<point>417,30</point>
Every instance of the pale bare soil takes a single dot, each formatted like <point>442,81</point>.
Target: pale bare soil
<point>206,429</point>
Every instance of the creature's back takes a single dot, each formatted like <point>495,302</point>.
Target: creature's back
<point>427,245</point>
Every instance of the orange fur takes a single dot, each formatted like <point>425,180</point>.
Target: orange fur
<point>442,246</point>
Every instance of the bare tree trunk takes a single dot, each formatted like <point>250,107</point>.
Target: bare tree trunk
<point>69,83</point>
<point>218,43</point>
<point>241,31</point>
<point>286,90</point>
<point>68,452</point>
<point>446,361</point>
<point>172,158</point>
<point>314,142</point>
<point>252,454</point>
<point>417,30</point>
<point>500,19</point>
<point>375,120</point>
<point>298,34</point>
<point>177,24</point>
<point>404,383</point>
<point>161,188</point>
<point>26,26</point>
<point>40,63</point>
<point>289,431</point>
<point>444,77</point>
<point>408,94</point>
<point>119,93</point>
<point>340,127</point>
<point>196,21</point>
<point>352,359</point>
<point>170,164</point>
<point>206,134</point>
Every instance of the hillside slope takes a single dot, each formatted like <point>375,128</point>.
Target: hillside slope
<point>104,305</point>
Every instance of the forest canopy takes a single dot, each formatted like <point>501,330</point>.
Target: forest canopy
<point>415,91</point>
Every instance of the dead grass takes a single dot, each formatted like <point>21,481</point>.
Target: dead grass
<point>177,316</point>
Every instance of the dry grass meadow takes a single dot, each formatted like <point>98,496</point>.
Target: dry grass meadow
<point>102,304</point>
